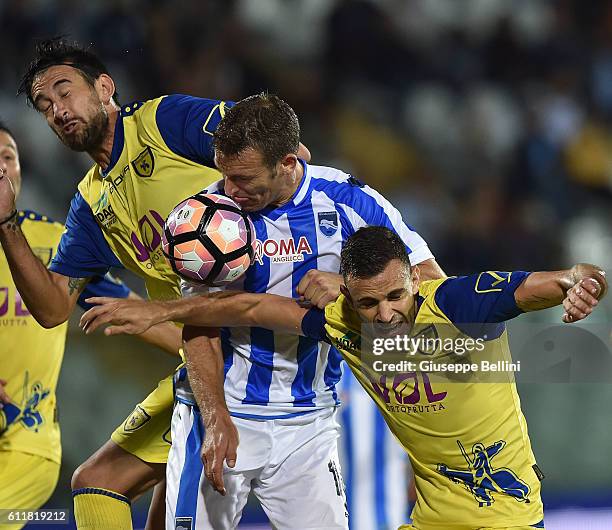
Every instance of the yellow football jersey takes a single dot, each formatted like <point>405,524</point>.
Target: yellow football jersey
<point>31,356</point>
<point>162,153</point>
<point>466,438</point>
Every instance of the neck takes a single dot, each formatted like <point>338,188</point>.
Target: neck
<point>293,183</point>
<point>102,154</point>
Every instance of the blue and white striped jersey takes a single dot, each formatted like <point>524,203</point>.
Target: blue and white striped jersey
<point>375,467</point>
<point>272,375</point>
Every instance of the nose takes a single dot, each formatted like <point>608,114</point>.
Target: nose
<point>60,112</point>
<point>3,167</point>
<point>385,312</point>
<point>230,188</point>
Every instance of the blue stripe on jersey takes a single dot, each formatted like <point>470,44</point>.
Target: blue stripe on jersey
<point>262,340</point>
<point>228,351</point>
<point>347,429</point>
<point>365,205</point>
<point>333,371</point>
<point>345,224</point>
<point>187,501</point>
<point>272,417</point>
<point>308,349</point>
<point>379,471</point>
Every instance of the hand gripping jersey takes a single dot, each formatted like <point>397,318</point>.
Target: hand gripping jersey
<point>467,440</point>
<point>160,155</point>
<point>31,355</point>
<point>271,375</point>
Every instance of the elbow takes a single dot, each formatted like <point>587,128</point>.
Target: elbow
<point>51,319</point>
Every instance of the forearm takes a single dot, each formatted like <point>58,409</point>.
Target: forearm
<point>542,290</point>
<point>205,369</point>
<point>49,297</point>
<point>237,309</point>
<point>165,336</point>
<point>212,310</point>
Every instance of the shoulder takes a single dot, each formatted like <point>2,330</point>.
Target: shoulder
<point>43,227</point>
<point>178,106</point>
<point>30,216</point>
<point>338,185</point>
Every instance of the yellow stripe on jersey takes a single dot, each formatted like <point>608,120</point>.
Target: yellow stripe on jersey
<point>467,440</point>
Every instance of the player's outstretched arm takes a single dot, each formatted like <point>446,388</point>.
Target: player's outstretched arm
<point>49,296</point>
<point>164,335</point>
<point>227,309</point>
<point>578,289</point>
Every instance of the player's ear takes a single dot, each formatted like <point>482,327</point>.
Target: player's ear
<point>415,279</point>
<point>288,163</point>
<point>105,87</point>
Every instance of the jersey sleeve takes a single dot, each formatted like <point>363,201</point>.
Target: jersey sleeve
<point>485,298</point>
<point>313,324</point>
<point>82,250</point>
<point>364,206</point>
<point>105,285</point>
<point>187,124</point>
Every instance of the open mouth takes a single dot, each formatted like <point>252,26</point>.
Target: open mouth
<point>70,126</point>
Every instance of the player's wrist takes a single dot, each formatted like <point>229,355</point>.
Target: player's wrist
<point>6,219</point>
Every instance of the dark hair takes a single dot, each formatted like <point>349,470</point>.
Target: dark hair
<point>60,51</point>
<point>4,128</point>
<point>263,122</point>
<point>369,250</point>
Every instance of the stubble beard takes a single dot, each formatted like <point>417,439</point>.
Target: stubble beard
<point>90,137</point>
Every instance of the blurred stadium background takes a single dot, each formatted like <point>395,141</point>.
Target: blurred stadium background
<point>487,122</point>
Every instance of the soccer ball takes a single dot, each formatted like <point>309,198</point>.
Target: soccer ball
<point>209,239</point>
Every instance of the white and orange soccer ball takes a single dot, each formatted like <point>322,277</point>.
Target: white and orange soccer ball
<point>209,239</point>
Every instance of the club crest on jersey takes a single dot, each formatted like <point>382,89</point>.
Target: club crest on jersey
<point>136,420</point>
<point>183,523</point>
<point>144,163</point>
<point>282,250</point>
<point>328,223</point>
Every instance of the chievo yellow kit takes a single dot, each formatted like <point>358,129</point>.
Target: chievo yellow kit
<point>162,153</point>
<point>466,437</point>
<point>30,361</point>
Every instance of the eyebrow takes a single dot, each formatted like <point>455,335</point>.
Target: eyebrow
<point>395,292</point>
<point>53,87</point>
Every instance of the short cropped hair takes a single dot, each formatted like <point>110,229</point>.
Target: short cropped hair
<point>263,122</point>
<point>369,250</point>
<point>60,51</point>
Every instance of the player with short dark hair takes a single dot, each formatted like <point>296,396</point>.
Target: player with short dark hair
<point>263,122</point>
<point>465,438</point>
<point>302,214</point>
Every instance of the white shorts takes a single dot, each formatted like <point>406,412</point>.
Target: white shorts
<point>291,465</point>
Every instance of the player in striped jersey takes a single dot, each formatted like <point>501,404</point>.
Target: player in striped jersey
<point>302,215</point>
